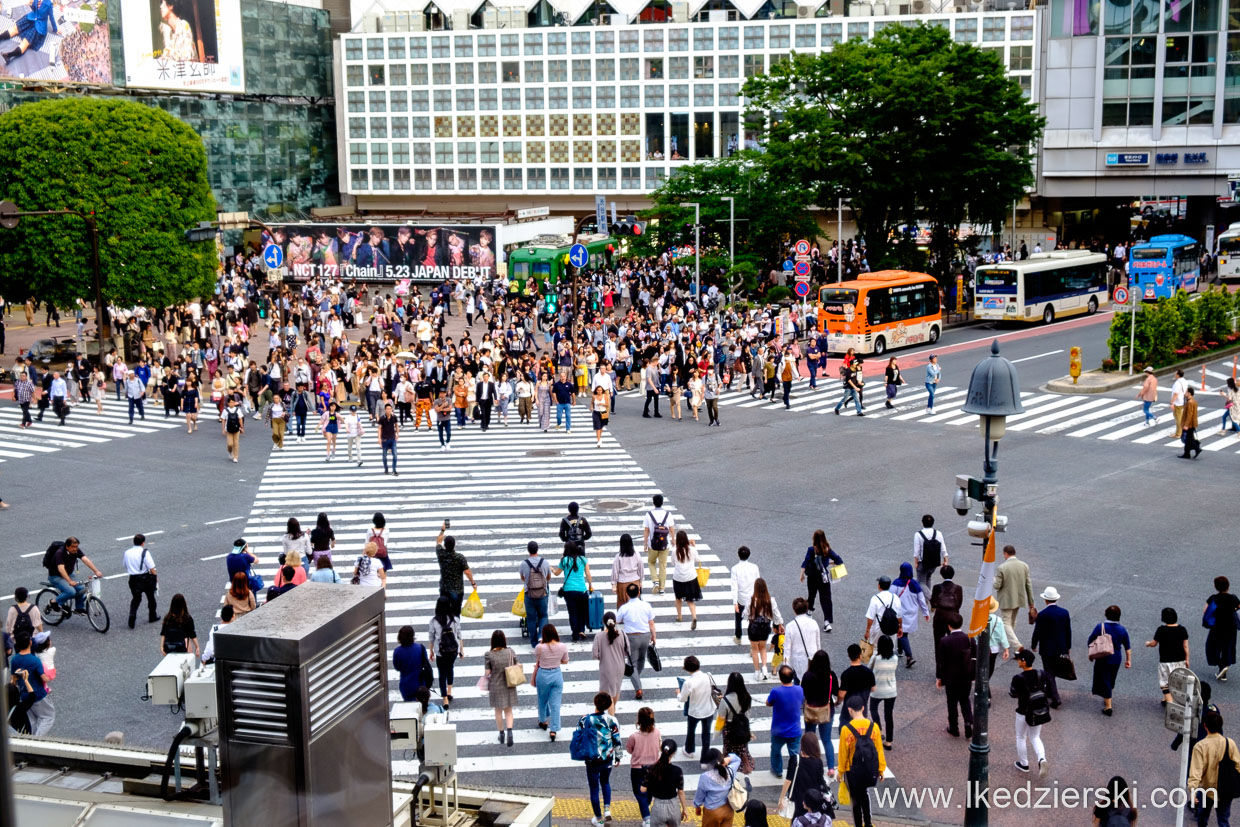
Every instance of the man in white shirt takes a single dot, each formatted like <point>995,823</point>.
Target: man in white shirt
<point>354,430</point>
<point>925,559</point>
<point>1179,389</point>
<point>637,617</point>
<point>744,574</point>
<point>879,604</point>
<point>658,529</point>
<point>226,616</point>
<point>142,579</point>
<point>801,639</point>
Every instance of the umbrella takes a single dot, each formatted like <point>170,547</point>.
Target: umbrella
<point>404,354</point>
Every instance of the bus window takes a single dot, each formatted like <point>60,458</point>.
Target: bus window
<point>905,302</point>
<point>834,300</point>
<point>878,305</point>
<point>542,270</point>
<point>521,270</point>
<point>1149,254</point>
<point>925,300</point>
<point>996,281</point>
<point>1229,246</point>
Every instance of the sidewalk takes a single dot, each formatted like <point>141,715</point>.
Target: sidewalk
<point>576,812</point>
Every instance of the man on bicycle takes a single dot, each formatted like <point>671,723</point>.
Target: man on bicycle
<point>60,573</point>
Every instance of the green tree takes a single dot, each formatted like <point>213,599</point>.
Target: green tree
<point>142,172</point>
<point>766,212</point>
<point>910,125</point>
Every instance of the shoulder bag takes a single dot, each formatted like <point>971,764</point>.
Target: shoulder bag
<point>1102,646</point>
<point>788,807</point>
<point>514,675</point>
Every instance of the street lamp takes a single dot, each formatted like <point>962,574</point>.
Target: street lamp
<point>994,395</point>
<point>697,252</point>
<point>731,228</point>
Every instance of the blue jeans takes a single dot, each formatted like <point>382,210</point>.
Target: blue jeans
<point>850,394</point>
<point>388,445</point>
<point>550,685</point>
<point>67,592</point>
<point>777,757</point>
<point>824,736</point>
<point>565,410</point>
<point>930,386</point>
<point>813,372</point>
<point>1145,409</point>
<point>535,617</point>
<point>638,777</point>
<point>460,417</point>
<point>598,774</point>
<point>905,646</point>
<point>445,432</point>
<point>1222,812</point>
<point>136,403</point>
<point>1227,417</point>
<point>301,426</point>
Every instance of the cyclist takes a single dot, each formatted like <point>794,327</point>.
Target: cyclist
<point>60,573</point>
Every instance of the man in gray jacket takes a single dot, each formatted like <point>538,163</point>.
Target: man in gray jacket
<point>1014,588</point>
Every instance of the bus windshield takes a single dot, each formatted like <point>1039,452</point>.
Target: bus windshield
<point>1229,246</point>
<point>996,281</point>
<point>1150,254</point>
<point>833,299</point>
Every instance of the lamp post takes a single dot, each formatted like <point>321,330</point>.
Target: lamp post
<point>697,252</point>
<point>994,395</point>
<point>731,228</point>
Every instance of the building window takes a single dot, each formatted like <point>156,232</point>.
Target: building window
<point>486,45</point>
<point>607,178</point>
<point>605,69</point>
<point>353,49</point>
<point>605,97</point>
<point>629,68</point>
<point>511,71</point>
<point>559,178</point>
<point>729,94</point>
<point>400,154</point>
<point>378,127</point>
<point>419,101</point>
<point>536,179</point>
<point>400,127</point>
<point>729,66</point>
<point>443,152</point>
<point>678,40</point>
<point>533,44</point>
<point>654,97</point>
<point>559,152</point>
<point>780,37</point>
<point>966,30</point>
<point>533,98</point>
<point>490,179</point>
<point>1022,28</point>
<point>807,36</point>
<point>655,177</point>
<point>754,65</point>
<point>606,152</point>
<point>606,124</point>
<point>379,179</point>
<point>533,71</point>
<point>396,48</point>
<point>654,40</point>
<point>401,179</point>
<point>831,34</point>
<point>581,97</point>
<point>630,97</point>
<point>467,153</point>
<point>581,71</point>
<point>418,75</point>
<point>654,68</point>
<point>400,101</point>
<point>421,127</point>
<point>354,76</point>
<point>468,179</point>
<point>755,38</point>
<point>583,178</point>
<point>703,39</point>
<point>729,38</point>
<point>465,100</point>
<point>703,67</point>
<point>357,101</point>
<point>509,45</point>
<point>628,44</point>
<point>604,43</point>
<point>465,126</point>
<point>464,46</point>
<point>1020,58</point>
<point>678,68</point>
<point>703,94</point>
<point>581,43</point>
<point>861,31</point>
<point>536,152</point>
<point>421,179</point>
<point>357,154</point>
<point>488,99</point>
<point>489,152</point>
<point>534,125</point>
<point>374,48</point>
<point>357,127</point>
<point>557,43</point>
<point>417,48</point>
<point>678,95</point>
<point>993,29</point>
<point>398,74</point>
<point>378,154</point>
<point>444,179</point>
<point>557,98</point>
<point>583,152</point>
<point>441,74</point>
<point>360,179</point>
<point>557,71</point>
<point>378,101</point>
<point>439,48</point>
<point>559,126</point>
<point>486,73</point>
<point>631,178</point>
<point>443,99</point>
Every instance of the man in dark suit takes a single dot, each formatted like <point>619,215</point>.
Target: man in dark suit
<point>484,393</point>
<point>1052,632</point>
<point>956,654</point>
<point>946,597</point>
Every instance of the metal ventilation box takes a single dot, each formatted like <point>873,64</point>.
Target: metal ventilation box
<point>302,688</point>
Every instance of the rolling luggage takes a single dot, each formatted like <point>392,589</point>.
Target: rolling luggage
<point>594,618</point>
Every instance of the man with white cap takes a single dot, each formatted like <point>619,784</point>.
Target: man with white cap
<point>1052,638</point>
<point>135,392</point>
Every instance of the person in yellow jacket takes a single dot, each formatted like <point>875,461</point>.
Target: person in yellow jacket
<point>857,727</point>
<point>1203,780</point>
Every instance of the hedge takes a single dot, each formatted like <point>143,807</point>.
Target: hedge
<point>1172,330</point>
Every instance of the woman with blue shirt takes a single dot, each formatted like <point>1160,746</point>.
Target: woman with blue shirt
<point>1106,669</point>
<point>577,587</point>
<point>412,662</point>
<point>933,372</point>
<point>714,784</point>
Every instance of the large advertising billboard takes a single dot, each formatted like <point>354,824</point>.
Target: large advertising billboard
<point>386,252</point>
<point>192,45</point>
<point>59,42</point>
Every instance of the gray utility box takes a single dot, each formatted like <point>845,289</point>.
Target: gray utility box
<point>303,706</point>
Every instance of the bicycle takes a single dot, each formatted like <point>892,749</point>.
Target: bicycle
<point>54,614</point>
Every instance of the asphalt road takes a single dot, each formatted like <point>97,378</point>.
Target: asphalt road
<point>1103,521</point>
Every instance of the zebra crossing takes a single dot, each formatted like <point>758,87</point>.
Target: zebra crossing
<point>501,489</point>
<point>1104,418</point>
<point>83,427</point>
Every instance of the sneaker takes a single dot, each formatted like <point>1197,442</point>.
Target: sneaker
<point>1043,766</point>
<point>687,754</point>
<point>646,821</point>
<point>1020,766</point>
<point>736,640</point>
<point>826,627</point>
<point>1222,674</point>
<point>597,822</point>
<point>757,676</point>
<point>607,814</point>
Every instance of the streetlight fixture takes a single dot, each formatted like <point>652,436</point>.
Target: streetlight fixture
<point>731,228</point>
<point>697,251</point>
<point>994,395</point>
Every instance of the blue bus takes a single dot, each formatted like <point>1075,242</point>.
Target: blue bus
<point>1165,264</point>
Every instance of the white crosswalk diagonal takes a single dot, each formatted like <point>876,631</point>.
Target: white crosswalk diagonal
<point>501,489</point>
<point>82,427</point>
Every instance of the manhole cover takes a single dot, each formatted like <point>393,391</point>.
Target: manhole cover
<point>611,505</point>
<point>543,452</point>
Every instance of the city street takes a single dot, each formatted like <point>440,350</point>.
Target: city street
<point>1098,507</point>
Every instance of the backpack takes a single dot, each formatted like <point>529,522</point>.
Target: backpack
<point>864,770</point>
<point>658,537</point>
<point>889,621</point>
<point>1209,616</point>
<point>931,550</point>
<point>845,373</point>
<point>1038,707</point>
<point>23,623</point>
<point>585,745</point>
<point>1118,818</point>
<point>378,540</point>
<point>738,727</point>
<point>449,646</point>
<point>233,423</point>
<point>575,534</point>
<point>49,556</point>
<point>536,581</point>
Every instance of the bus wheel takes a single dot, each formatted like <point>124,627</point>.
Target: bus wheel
<point>934,334</point>
<point>1092,307</point>
<point>880,346</point>
<point>1048,315</point>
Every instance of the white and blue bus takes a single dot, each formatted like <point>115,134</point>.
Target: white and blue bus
<point>1228,253</point>
<point>1164,265</point>
<point>1044,286</point>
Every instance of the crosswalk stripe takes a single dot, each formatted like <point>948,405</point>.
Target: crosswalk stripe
<point>1039,420</point>
<point>83,427</point>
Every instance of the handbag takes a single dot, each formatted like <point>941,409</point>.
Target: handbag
<point>1063,668</point>
<point>652,656</point>
<point>867,651</point>
<point>838,572</point>
<point>1102,646</point>
<point>514,675</point>
<point>703,577</point>
<point>484,683</point>
<point>817,714</point>
<point>787,807</point>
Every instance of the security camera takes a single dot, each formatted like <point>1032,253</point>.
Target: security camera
<point>960,500</point>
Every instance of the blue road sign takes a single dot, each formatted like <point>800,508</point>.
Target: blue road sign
<point>788,264</point>
<point>273,256</point>
<point>579,256</point>
<point>802,288</point>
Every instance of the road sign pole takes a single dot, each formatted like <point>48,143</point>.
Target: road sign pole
<point>1133,306</point>
<point>1186,732</point>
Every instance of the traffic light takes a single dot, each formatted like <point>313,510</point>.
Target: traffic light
<point>205,231</point>
<point>629,226</point>
<point>550,302</point>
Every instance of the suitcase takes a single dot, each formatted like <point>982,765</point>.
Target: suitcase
<point>594,617</point>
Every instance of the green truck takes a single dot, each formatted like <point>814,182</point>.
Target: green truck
<point>545,259</point>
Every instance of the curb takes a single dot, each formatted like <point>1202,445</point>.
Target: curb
<point>1097,381</point>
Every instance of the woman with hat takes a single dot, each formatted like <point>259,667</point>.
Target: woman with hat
<point>1148,394</point>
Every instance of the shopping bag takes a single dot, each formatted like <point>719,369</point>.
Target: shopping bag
<point>514,675</point>
<point>484,683</point>
<point>703,576</point>
<point>473,606</point>
<point>518,605</point>
<point>838,572</point>
<point>867,650</point>
<point>778,657</point>
<point>843,798</point>
<point>553,604</point>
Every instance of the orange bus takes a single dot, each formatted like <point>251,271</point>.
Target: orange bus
<point>890,308</point>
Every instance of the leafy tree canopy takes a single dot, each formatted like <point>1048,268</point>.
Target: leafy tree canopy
<point>910,125</point>
<point>142,172</point>
<point>766,212</point>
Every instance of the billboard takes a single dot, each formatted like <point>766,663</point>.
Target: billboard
<point>73,47</point>
<point>192,45</point>
<point>387,252</point>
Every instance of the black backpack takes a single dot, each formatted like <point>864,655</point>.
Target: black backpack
<point>889,620</point>
<point>931,551</point>
<point>23,623</point>
<point>1038,707</point>
<point>864,770</point>
<point>233,423</point>
<point>449,646</point>
<point>49,556</point>
<point>658,537</point>
<point>575,532</point>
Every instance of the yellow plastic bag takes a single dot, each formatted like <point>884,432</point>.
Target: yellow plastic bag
<point>838,572</point>
<point>718,724</point>
<point>842,797</point>
<point>778,658</point>
<point>703,576</point>
<point>518,605</point>
<point>473,606</point>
